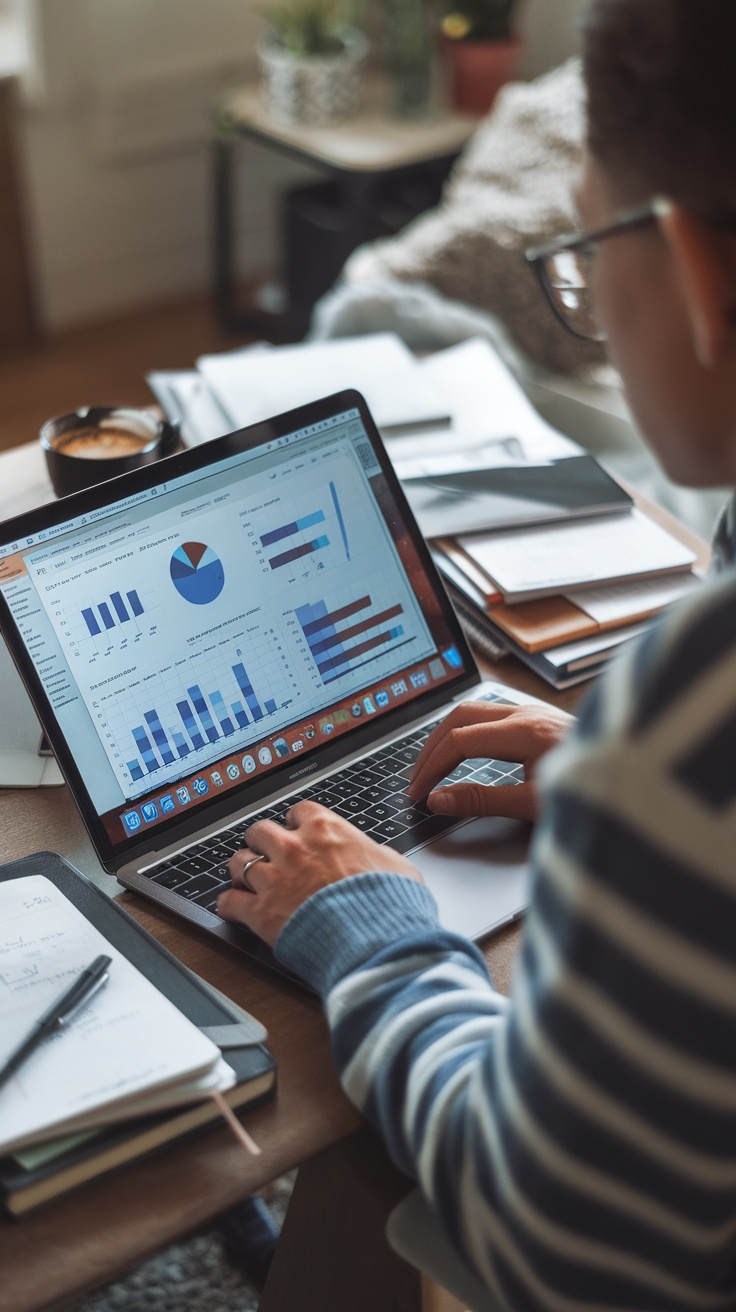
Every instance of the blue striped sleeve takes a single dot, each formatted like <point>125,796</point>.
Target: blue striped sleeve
<point>577,1141</point>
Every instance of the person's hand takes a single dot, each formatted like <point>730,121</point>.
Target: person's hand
<point>315,848</point>
<point>501,733</point>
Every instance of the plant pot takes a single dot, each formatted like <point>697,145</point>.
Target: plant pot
<point>314,89</point>
<point>478,70</point>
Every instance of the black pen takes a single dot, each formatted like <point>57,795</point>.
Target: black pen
<point>58,1014</point>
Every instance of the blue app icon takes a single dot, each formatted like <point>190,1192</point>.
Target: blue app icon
<point>149,811</point>
<point>453,658</point>
<point>132,821</point>
<point>281,746</point>
<point>183,795</point>
<point>201,786</point>
<point>167,804</point>
<point>382,698</point>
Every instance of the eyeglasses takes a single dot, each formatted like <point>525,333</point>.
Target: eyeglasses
<point>564,266</point>
<point>564,269</point>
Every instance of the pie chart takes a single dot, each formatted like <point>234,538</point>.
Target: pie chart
<point>197,573</point>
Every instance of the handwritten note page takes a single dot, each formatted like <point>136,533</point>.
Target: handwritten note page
<point>127,1051</point>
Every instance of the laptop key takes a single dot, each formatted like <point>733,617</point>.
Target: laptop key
<point>343,788</point>
<point>365,823</point>
<point>387,831</point>
<point>373,794</point>
<point>169,878</point>
<point>202,884</point>
<point>195,865</point>
<point>380,812</point>
<point>397,783</point>
<point>325,798</point>
<point>221,851</point>
<point>353,805</point>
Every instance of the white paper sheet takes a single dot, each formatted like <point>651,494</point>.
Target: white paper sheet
<point>549,560</point>
<point>128,1050</point>
<point>254,385</point>
<point>487,403</point>
<point>618,601</point>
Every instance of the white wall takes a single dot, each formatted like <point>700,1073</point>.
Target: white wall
<point>115,135</point>
<point>550,32</point>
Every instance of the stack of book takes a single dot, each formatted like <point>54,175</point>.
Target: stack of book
<point>564,596</point>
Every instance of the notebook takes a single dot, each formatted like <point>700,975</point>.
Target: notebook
<point>128,1052</point>
<point>33,1175</point>
<point>251,623</point>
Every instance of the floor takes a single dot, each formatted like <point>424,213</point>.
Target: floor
<point>103,364</point>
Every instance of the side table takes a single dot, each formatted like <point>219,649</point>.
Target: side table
<point>360,158</point>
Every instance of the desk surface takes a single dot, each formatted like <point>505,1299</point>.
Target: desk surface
<point>114,1223</point>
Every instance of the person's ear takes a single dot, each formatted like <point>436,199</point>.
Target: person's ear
<point>704,262</point>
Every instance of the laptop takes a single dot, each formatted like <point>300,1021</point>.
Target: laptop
<point>239,627</point>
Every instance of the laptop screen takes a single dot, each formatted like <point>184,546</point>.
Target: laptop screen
<point>197,634</point>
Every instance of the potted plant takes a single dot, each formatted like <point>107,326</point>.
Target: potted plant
<point>482,50</point>
<point>311,63</point>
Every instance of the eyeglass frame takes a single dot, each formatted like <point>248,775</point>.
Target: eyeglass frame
<point>629,221</point>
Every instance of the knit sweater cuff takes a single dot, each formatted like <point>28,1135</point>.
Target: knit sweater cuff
<point>339,928</point>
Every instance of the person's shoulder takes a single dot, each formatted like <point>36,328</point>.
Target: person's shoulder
<point>683,651</point>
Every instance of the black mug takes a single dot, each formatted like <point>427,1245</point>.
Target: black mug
<point>95,443</point>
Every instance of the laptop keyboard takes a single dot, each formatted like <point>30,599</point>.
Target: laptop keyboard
<point>370,793</point>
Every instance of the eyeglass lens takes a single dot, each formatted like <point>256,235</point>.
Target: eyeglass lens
<point>567,275</point>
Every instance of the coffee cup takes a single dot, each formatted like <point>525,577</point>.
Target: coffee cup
<point>95,443</point>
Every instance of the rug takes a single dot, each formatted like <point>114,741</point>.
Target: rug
<point>193,1276</point>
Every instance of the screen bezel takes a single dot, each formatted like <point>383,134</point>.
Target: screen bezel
<point>208,812</point>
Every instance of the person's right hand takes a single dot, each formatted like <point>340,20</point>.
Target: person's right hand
<point>500,733</point>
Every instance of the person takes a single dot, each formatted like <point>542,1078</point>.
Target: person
<point>578,1141</point>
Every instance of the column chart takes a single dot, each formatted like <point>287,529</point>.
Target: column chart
<point>104,618</point>
<point>199,716</point>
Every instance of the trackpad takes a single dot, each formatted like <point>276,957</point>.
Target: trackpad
<point>478,874</point>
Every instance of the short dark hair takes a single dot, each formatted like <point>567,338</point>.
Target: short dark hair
<point>661,84</point>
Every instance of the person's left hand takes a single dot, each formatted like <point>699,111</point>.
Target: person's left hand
<point>314,849</point>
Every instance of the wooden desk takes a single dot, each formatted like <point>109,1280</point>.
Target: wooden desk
<point>334,1229</point>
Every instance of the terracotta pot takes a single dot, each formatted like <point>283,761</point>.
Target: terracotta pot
<point>478,70</point>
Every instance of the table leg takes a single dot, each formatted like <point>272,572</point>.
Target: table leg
<point>224,262</point>
<point>333,1253</point>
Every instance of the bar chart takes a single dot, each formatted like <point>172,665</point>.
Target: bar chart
<point>200,716</point>
<point>341,650</point>
<point>113,612</point>
<point>313,544</point>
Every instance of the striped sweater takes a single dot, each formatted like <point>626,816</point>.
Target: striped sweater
<point>578,1140</point>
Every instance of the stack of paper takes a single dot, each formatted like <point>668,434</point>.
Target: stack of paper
<point>547,590</point>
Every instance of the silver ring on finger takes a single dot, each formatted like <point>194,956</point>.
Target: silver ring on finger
<point>244,872</point>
